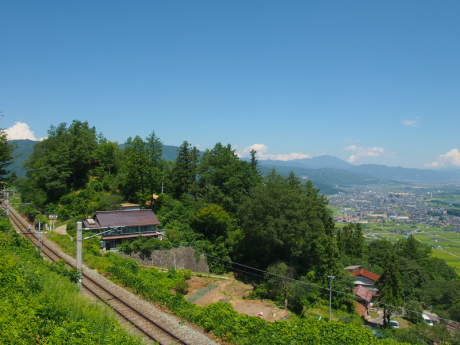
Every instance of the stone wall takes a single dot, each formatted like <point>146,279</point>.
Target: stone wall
<point>181,258</point>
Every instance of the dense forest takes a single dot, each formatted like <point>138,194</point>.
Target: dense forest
<point>226,208</point>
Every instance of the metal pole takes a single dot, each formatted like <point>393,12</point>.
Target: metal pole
<point>330,296</point>
<point>7,205</point>
<point>162,180</point>
<point>79,252</point>
<point>39,237</point>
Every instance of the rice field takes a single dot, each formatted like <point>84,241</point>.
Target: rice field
<point>446,242</point>
<point>450,259</point>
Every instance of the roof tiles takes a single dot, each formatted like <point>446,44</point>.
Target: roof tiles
<point>364,293</point>
<point>367,274</point>
<point>126,218</point>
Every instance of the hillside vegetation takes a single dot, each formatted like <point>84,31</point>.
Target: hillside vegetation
<point>225,208</point>
<point>40,304</point>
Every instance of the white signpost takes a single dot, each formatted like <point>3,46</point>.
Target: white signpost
<point>53,218</point>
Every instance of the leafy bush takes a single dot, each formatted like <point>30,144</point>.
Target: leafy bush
<point>187,274</point>
<point>181,287</point>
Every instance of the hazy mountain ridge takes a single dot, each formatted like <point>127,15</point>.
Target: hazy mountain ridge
<point>375,170</point>
<point>325,169</point>
<point>407,174</point>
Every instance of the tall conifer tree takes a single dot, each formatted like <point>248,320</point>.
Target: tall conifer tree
<point>390,287</point>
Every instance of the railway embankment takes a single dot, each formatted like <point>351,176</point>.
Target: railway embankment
<point>171,324</point>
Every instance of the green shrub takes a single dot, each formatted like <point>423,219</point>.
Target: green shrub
<point>171,272</point>
<point>181,287</point>
<point>187,274</point>
<point>40,305</point>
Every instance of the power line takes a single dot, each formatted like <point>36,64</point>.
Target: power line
<point>325,288</point>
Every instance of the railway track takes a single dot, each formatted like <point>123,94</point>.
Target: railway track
<point>149,327</point>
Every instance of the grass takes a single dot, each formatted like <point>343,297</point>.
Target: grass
<point>450,259</point>
<point>335,210</point>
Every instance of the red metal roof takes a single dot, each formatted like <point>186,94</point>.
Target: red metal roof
<point>126,218</point>
<point>367,274</point>
<point>130,236</point>
<point>364,293</point>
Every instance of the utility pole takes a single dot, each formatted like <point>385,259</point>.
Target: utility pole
<point>79,252</point>
<point>163,180</point>
<point>7,205</point>
<point>330,295</point>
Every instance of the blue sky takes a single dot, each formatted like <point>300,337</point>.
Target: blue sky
<point>366,81</point>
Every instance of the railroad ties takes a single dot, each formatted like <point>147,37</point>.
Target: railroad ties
<point>149,327</point>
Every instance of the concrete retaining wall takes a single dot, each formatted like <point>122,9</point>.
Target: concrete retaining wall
<point>181,258</point>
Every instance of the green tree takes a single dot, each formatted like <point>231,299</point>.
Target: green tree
<point>327,258</point>
<point>62,161</point>
<point>414,249</point>
<point>154,149</point>
<point>279,281</point>
<point>13,178</point>
<point>143,167</point>
<point>274,176</point>
<point>224,179</point>
<point>6,155</point>
<point>185,170</point>
<point>279,220</point>
<point>136,165</point>
<point>212,221</point>
<point>292,180</point>
<point>107,157</point>
<point>390,288</point>
<point>350,240</point>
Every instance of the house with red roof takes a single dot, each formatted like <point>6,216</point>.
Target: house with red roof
<point>364,288</point>
<point>366,279</point>
<point>364,298</point>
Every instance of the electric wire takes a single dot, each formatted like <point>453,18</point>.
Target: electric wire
<point>314,285</point>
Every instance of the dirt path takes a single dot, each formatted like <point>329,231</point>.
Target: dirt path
<point>232,291</point>
<point>62,230</point>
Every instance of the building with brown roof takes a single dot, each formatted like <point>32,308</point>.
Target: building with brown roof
<point>363,294</point>
<point>127,224</point>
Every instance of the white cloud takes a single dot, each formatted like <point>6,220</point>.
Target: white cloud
<point>411,123</point>
<point>262,155</point>
<point>450,158</point>
<point>20,130</point>
<point>361,152</point>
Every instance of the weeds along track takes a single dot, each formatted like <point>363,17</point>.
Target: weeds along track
<point>152,329</point>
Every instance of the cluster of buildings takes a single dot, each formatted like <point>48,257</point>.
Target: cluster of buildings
<point>364,290</point>
<point>409,208</point>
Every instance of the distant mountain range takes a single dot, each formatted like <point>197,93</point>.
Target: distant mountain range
<point>319,162</point>
<point>328,173</point>
<point>380,171</point>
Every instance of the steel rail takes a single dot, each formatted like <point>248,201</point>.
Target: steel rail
<point>32,237</point>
